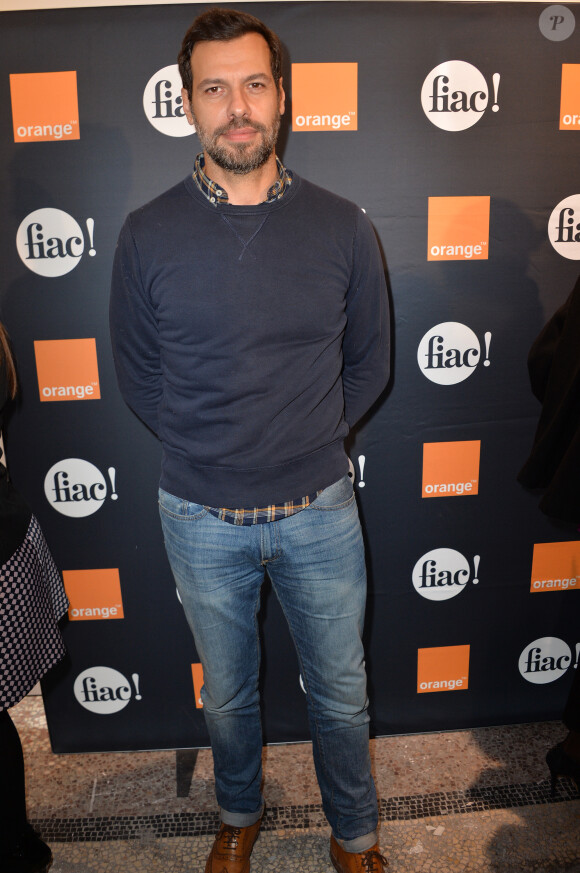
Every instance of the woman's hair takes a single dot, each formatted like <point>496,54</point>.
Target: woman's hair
<point>7,362</point>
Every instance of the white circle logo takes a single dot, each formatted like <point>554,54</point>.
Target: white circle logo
<point>448,353</point>
<point>441,574</point>
<point>564,228</point>
<point>50,242</point>
<point>75,487</point>
<point>454,95</point>
<point>163,105</point>
<point>545,660</point>
<point>557,23</point>
<point>104,690</point>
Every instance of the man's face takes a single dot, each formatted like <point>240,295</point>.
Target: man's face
<point>235,105</point>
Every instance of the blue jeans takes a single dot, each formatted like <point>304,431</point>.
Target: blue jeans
<point>315,560</point>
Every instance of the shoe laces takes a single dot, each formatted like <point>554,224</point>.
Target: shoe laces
<point>230,836</point>
<point>372,860</point>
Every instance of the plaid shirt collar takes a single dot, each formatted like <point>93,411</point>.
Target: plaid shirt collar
<point>217,195</point>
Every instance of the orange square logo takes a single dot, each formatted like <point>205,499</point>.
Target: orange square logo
<point>324,96</point>
<point>44,106</point>
<point>197,675</point>
<point>444,668</point>
<point>67,369</point>
<point>458,229</point>
<point>570,97</point>
<point>556,567</point>
<point>451,469</point>
<point>93,594</point>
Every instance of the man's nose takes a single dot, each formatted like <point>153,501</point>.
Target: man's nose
<point>239,105</point>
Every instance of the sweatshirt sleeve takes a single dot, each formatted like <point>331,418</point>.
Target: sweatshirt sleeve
<point>366,344</point>
<point>134,333</point>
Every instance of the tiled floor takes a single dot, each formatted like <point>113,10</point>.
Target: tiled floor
<point>474,801</point>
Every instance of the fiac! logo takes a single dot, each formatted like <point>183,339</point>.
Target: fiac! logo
<point>564,227</point>
<point>443,573</point>
<point>546,659</point>
<point>324,96</point>
<point>44,106</point>
<point>450,352</point>
<point>77,488</point>
<point>67,369</point>
<point>50,242</point>
<point>455,95</point>
<point>105,690</point>
<point>163,105</point>
<point>458,228</point>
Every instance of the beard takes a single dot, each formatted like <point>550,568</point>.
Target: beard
<point>239,158</point>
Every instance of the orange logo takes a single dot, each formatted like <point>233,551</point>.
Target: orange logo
<point>324,96</point>
<point>570,99</point>
<point>458,229</point>
<point>451,469</point>
<point>93,594</point>
<point>44,106</point>
<point>67,369</point>
<point>197,674</point>
<point>444,668</point>
<point>556,567</point>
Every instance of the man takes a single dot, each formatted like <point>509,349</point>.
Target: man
<point>250,328</point>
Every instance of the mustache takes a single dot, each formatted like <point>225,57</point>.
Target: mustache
<point>238,124</point>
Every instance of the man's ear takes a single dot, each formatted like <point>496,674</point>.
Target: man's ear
<point>186,105</point>
<point>281,97</point>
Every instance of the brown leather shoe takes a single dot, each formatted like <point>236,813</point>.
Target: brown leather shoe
<point>232,849</point>
<point>370,861</point>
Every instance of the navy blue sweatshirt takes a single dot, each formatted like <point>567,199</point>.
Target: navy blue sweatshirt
<point>249,339</point>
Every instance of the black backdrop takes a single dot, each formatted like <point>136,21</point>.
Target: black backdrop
<point>391,155</point>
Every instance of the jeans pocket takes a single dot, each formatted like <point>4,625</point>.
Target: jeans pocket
<point>177,507</point>
<point>339,495</point>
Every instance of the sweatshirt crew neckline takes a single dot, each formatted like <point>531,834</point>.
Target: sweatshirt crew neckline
<point>248,209</point>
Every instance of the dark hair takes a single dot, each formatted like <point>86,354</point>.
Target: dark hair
<point>226,24</point>
<point>7,362</point>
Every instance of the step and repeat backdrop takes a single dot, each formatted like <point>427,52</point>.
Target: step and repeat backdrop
<point>456,126</point>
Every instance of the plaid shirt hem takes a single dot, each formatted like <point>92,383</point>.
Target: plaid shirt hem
<point>262,515</point>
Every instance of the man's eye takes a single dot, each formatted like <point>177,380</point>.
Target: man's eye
<point>213,90</point>
<point>255,86</point>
